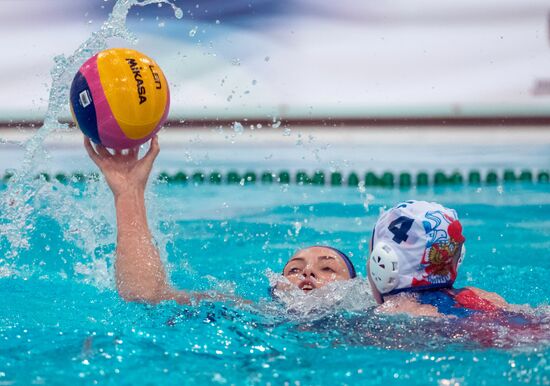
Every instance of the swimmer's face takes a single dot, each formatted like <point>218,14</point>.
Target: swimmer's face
<point>315,267</point>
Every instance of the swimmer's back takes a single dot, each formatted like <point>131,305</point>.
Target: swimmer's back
<point>467,302</point>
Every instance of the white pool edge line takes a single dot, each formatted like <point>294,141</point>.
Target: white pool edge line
<point>200,137</point>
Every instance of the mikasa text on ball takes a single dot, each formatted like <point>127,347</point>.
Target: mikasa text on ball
<point>119,98</point>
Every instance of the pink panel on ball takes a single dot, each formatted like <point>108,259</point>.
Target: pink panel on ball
<point>109,131</point>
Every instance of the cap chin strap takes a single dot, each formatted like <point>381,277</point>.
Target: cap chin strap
<point>462,255</point>
<point>384,267</point>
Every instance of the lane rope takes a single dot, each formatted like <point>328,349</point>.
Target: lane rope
<point>386,179</point>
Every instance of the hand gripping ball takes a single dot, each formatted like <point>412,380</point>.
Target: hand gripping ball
<point>119,98</point>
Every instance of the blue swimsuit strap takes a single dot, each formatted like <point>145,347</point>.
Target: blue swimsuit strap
<point>444,301</point>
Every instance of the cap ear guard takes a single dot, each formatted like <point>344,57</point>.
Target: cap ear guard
<point>384,267</point>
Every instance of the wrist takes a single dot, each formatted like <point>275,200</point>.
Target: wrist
<point>130,193</point>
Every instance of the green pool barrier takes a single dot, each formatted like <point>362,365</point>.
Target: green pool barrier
<point>267,178</point>
<point>198,178</point>
<point>387,180</point>
<point>456,178</point>
<point>318,178</point>
<point>233,178</point>
<point>371,179</point>
<point>179,177</point>
<point>422,179</point>
<point>403,180</point>
<point>509,176</point>
<point>78,177</point>
<point>60,177</point>
<point>353,179</point>
<point>164,177</point>
<point>44,176</point>
<point>336,179</point>
<point>526,176</point>
<point>491,178</point>
<point>302,178</point>
<point>7,176</point>
<point>543,177</point>
<point>284,177</point>
<point>215,178</point>
<point>440,178</point>
<point>474,177</point>
<point>249,178</point>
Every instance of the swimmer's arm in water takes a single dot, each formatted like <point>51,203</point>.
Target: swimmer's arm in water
<point>139,271</point>
<point>407,304</point>
<point>140,274</point>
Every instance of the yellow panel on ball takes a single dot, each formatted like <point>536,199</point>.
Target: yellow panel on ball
<point>135,88</point>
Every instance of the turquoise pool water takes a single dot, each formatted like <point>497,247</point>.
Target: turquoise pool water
<point>62,322</point>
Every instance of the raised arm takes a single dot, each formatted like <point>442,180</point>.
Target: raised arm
<point>139,271</point>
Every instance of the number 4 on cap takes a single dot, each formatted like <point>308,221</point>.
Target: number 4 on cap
<point>399,227</point>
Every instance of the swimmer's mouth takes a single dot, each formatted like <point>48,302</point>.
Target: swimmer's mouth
<point>306,286</point>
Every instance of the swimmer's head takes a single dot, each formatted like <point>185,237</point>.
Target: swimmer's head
<point>314,267</point>
<point>415,246</point>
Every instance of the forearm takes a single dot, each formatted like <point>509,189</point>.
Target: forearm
<point>140,273</point>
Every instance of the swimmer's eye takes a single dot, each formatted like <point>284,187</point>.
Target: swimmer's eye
<point>328,269</point>
<point>293,270</point>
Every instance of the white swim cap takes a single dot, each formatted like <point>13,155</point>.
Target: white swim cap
<point>416,245</point>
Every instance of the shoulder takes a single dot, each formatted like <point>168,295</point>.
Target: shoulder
<point>492,297</point>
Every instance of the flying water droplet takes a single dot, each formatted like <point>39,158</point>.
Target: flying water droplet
<point>238,127</point>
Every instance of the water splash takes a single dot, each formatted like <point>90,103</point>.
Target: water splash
<point>344,295</point>
<point>65,68</point>
<point>23,199</point>
<point>238,128</point>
